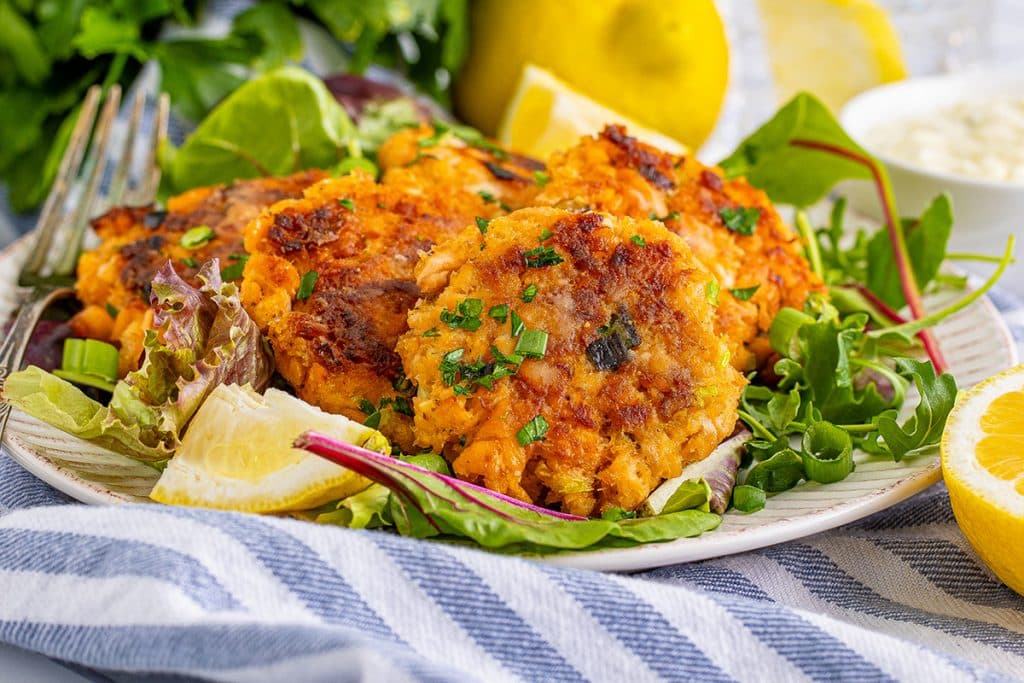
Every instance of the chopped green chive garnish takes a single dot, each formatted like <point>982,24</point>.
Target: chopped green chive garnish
<point>235,270</point>
<point>306,285</point>
<point>542,256</point>
<point>517,324</point>
<point>541,178</point>
<point>744,294</point>
<point>741,220</point>
<point>638,241</point>
<point>513,359</point>
<point>670,216</point>
<point>466,315</point>
<point>197,237</point>
<point>432,332</point>
<point>190,262</point>
<point>450,366</point>
<point>461,391</point>
<point>367,407</point>
<point>528,293</point>
<point>499,312</point>
<point>532,344</point>
<point>491,199</point>
<point>544,235</point>
<point>711,290</point>
<point>347,203</point>
<point>534,430</point>
<point>481,225</point>
<point>111,309</point>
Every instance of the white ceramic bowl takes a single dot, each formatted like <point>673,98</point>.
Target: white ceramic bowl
<point>986,211</point>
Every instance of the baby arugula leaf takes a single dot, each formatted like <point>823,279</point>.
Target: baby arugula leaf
<point>924,428</point>
<point>926,243</point>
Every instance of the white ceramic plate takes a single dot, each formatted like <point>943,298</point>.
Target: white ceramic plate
<point>976,344</point>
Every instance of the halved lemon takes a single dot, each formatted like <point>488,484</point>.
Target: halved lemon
<point>663,64</point>
<point>831,48</point>
<point>237,455</point>
<point>983,464</point>
<point>546,115</point>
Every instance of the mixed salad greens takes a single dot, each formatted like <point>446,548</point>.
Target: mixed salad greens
<point>845,371</point>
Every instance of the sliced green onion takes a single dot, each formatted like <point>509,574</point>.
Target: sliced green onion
<point>747,498</point>
<point>197,237</point>
<point>541,178</point>
<point>782,334</point>
<point>827,453</point>
<point>545,234</point>
<point>481,225</point>
<point>499,312</point>
<point>347,204</point>
<point>532,344</point>
<point>89,362</point>
<point>190,262</point>
<point>744,293</point>
<point>638,240</point>
<point>534,430</point>
<point>711,290</point>
<point>432,332</point>
<point>542,257</point>
<point>111,309</point>
<point>781,472</point>
<point>528,293</point>
<point>306,285</point>
<point>517,324</point>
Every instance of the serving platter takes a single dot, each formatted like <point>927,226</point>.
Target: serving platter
<point>975,341</point>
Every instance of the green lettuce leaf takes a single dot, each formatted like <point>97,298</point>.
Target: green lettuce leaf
<point>206,339</point>
<point>279,123</point>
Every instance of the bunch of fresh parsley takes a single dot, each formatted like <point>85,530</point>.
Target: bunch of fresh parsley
<point>52,51</point>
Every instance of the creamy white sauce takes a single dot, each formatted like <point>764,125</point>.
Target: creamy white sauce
<point>983,139</point>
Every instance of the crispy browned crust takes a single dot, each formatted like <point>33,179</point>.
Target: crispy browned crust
<point>135,242</point>
<point>616,173</point>
<point>452,163</point>
<point>337,348</point>
<point>615,434</point>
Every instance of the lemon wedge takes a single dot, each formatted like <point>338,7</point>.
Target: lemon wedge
<point>546,115</point>
<point>983,465</point>
<point>662,64</point>
<point>237,455</point>
<point>831,48</point>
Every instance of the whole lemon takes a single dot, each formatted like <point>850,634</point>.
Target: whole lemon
<point>664,64</point>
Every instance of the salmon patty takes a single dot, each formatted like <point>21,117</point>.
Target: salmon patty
<point>731,226</point>
<point>568,359</point>
<point>135,242</point>
<point>330,280</point>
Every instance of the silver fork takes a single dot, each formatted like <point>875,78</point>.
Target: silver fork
<point>48,273</point>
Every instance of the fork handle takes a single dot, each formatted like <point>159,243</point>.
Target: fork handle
<point>12,350</point>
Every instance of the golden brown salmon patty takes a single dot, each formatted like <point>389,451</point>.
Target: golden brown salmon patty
<point>732,227</point>
<point>615,380</point>
<point>330,280</point>
<point>458,157</point>
<point>135,242</point>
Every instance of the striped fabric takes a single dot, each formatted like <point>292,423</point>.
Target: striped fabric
<point>190,593</point>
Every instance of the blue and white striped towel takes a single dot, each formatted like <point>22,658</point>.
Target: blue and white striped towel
<point>191,593</point>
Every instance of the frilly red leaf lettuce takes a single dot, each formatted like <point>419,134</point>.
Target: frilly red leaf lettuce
<point>205,339</point>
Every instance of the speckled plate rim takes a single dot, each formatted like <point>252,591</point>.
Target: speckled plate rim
<point>977,344</point>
